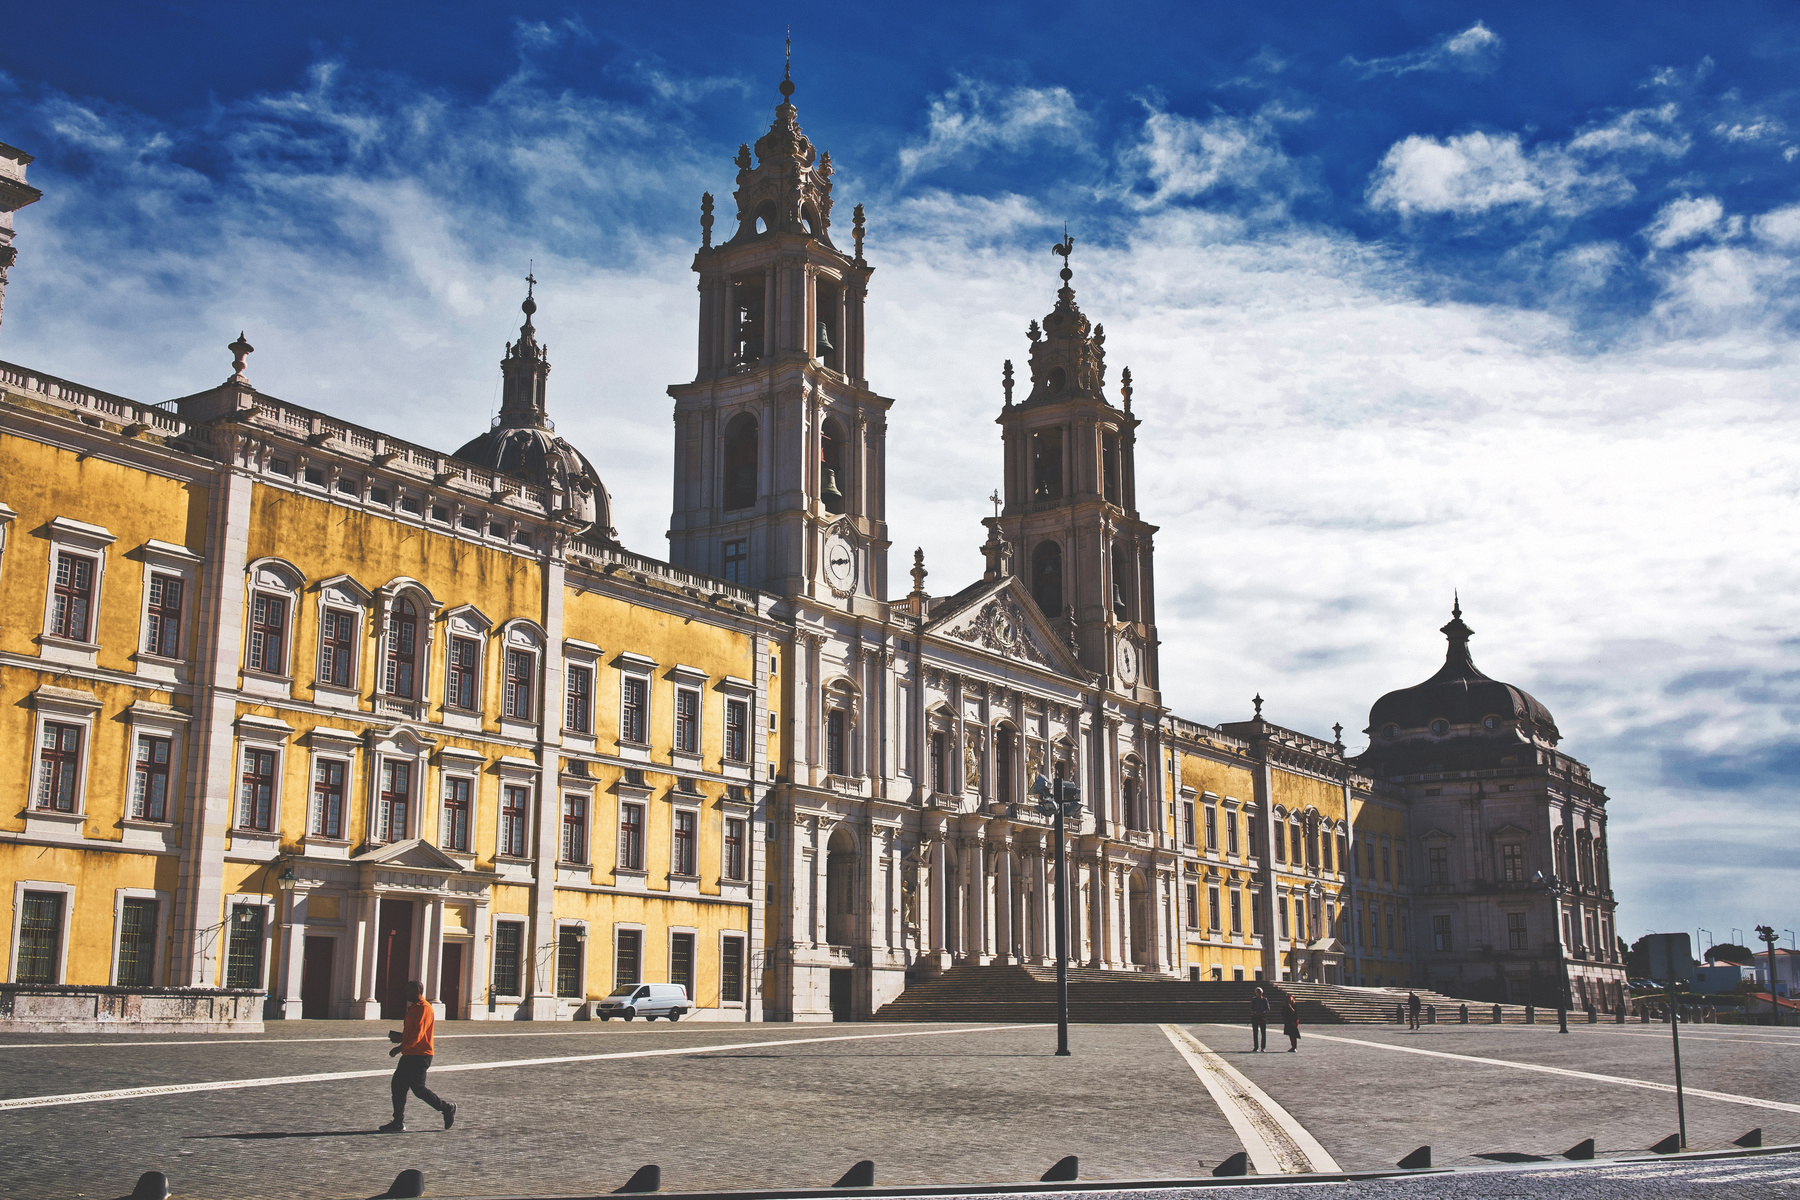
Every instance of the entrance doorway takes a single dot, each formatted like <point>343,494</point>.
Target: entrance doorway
<point>840,889</point>
<point>840,993</point>
<point>450,988</point>
<point>393,967</point>
<point>315,978</point>
<point>1140,921</point>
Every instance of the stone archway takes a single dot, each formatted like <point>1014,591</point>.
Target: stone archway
<point>1137,900</point>
<point>840,888</point>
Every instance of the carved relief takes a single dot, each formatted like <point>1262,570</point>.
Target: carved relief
<point>1001,628</point>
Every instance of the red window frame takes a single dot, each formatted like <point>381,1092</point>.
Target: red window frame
<point>328,798</point>
<point>400,677</point>
<point>736,829</point>
<point>631,837</point>
<point>683,842</point>
<point>687,720</point>
<point>268,629</point>
<point>59,767</point>
<point>395,801</point>
<point>337,643</point>
<point>162,636</point>
<point>73,607</point>
<point>465,654</point>
<point>737,729</point>
<point>150,778</point>
<point>574,829</point>
<point>515,806</point>
<point>634,710</point>
<point>578,705</point>
<point>457,794</point>
<point>256,792</point>
<point>519,671</point>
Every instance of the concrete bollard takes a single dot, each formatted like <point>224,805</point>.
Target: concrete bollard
<point>1399,1014</point>
<point>861,1175</point>
<point>1531,1014</point>
<point>1431,1014</point>
<point>1465,1014</point>
<point>1496,1014</point>
<point>1644,1014</point>
<point>1619,1015</point>
<point>1593,1015</point>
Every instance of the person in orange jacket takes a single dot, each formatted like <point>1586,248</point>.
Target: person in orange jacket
<point>417,1045</point>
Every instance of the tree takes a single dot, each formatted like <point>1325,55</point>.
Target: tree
<point>1637,962</point>
<point>1727,952</point>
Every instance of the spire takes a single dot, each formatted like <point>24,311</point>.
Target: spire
<point>1068,356</point>
<point>525,370</point>
<point>1457,660</point>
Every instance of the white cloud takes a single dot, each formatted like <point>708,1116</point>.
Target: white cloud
<point>1682,220</point>
<point>1476,173</point>
<point>1779,227</point>
<point>1476,50</point>
<point>1759,130</point>
<point>1182,158</point>
<point>975,117</point>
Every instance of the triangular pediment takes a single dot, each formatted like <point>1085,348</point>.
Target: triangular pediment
<point>414,852</point>
<point>1004,621</point>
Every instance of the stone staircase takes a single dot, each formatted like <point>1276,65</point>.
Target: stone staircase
<point>1028,994</point>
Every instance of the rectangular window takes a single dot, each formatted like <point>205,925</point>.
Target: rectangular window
<point>1515,932</point>
<point>1212,829</point>
<point>515,803</point>
<point>1256,916</point>
<point>1237,911</point>
<point>268,632</point>
<point>337,642</point>
<point>1438,864</point>
<point>1343,857</point>
<point>834,742</point>
<point>1360,940</point>
<point>1440,933</point>
<point>628,958</point>
<point>687,720</point>
<point>633,715</point>
<point>1512,858</point>
<point>40,937</point>
<point>1281,915</point>
<point>460,689</point>
<point>59,766</point>
<point>327,817</point>
<point>683,858</point>
<point>256,796</point>
<point>1388,915</point>
<point>631,837</point>
<point>1250,834</point>
<point>737,729</point>
<point>1231,832</point>
<point>1325,850</point>
<point>939,779</point>
<point>162,635</point>
<point>681,962</point>
<point>578,707</point>
<point>1387,864</point>
<point>244,955</point>
<point>731,970</point>
<point>574,829</point>
<point>736,829</point>
<point>1299,852</point>
<point>737,562</point>
<point>1400,863</point>
<point>509,941</point>
<point>1280,844</point>
<point>518,684</point>
<point>1193,906</point>
<point>1212,909</point>
<point>457,794</point>
<point>73,603</point>
<point>395,803</point>
<point>402,651</point>
<point>568,963</point>
<point>137,943</point>
<point>150,784</point>
<point>1187,822</point>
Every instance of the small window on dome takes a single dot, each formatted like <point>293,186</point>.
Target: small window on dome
<point>1440,727</point>
<point>1390,731</point>
<point>1491,722</point>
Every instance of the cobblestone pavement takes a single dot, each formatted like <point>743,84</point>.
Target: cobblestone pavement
<point>935,1104</point>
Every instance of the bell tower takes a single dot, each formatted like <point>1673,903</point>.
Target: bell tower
<point>780,446</point>
<point>1070,500</point>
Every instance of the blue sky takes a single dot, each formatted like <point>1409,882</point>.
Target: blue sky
<point>1416,296</point>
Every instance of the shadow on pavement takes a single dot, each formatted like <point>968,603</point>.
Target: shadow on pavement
<point>258,1137</point>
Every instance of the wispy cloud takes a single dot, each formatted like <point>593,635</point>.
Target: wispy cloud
<point>1176,158</point>
<point>1476,50</point>
<point>976,117</point>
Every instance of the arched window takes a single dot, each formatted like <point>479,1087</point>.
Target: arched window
<point>1123,582</point>
<point>402,650</point>
<point>840,888</point>
<point>1004,744</point>
<point>747,319</point>
<point>765,217</point>
<point>831,467</point>
<point>1047,578</point>
<point>740,462</point>
<point>1046,464</point>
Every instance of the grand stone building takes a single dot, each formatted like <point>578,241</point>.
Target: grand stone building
<point>530,766</point>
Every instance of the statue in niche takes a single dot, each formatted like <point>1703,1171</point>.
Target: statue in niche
<point>909,900</point>
<point>972,762</point>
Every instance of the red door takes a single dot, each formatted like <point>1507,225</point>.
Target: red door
<point>315,978</point>
<point>393,970</point>
<point>450,983</point>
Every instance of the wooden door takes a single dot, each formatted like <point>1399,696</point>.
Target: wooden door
<point>450,987</point>
<point>315,978</point>
<point>393,970</point>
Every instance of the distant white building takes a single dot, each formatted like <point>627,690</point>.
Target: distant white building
<point>1787,971</point>
<point>1719,978</point>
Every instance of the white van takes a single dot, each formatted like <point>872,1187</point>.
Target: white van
<point>646,1000</point>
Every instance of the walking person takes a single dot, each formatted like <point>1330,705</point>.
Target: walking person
<point>1290,1024</point>
<point>1412,1010</point>
<point>1259,1021</point>
<point>418,1043</point>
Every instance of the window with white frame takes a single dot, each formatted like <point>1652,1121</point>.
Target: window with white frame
<point>462,679</point>
<point>72,596</point>
<point>631,836</point>
<point>162,615</point>
<point>515,816</point>
<point>256,790</point>
<point>400,672</point>
<point>326,819</point>
<point>59,767</point>
<point>152,762</point>
<point>687,720</point>
<point>578,701</point>
<point>135,952</point>
<point>684,843</point>
<point>75,591</point>
<point>574,829</point>
<point>737,840</point>
<point>521,674</point>
<point>459,800</point>
<point>271,608</point>
<point>337,647</point>
<point>634,712</point>
<point>40,932</point>
<point>737,731</point>
<point>393,802</point>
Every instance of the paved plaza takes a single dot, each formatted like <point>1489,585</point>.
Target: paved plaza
<point>575,1109</point>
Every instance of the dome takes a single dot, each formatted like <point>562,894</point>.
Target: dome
<point>1461,696</point>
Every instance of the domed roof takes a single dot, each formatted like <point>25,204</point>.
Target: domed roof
<point>523,441</point>
<point>1461,695</point>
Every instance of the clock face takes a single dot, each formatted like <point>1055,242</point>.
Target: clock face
<point>1127,661</point>
<point>840,562</point>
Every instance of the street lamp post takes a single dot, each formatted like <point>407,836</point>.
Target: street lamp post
<point>1769,938</point>
<point>1554,889</point>
<point>1055,801</point>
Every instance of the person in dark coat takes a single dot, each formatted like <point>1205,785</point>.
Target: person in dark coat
<point>1290,1024</point>
<point>1259,1021</point>
<point>417,1044</point>
<point>1412,1010</point>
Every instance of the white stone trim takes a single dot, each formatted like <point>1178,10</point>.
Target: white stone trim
<point>400,743</point>
<point>156,720</point>
<point>275,577</point>
<point>166,558</point>
<point>89,541</point>
<point>271,910</point>
<point>63,706</point>
<point>164,900</point>
<point>20,887</point>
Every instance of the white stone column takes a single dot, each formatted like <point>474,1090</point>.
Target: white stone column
<point>1004,938</point>
<point>1043,914</point>
<point>821,889</point>
<point>939,922</point>
<point>977,908</point>
<point>368,952</point>
<point>434,954</point>
<point>1097,887</point>
<point>294,962</point>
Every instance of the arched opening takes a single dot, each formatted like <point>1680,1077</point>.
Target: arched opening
<point>1140,919</point>
<point>1124,579</point>
<point>1109,467</point>
<point>840,888</point>
<point>1046,464</point>
<point>747,319</point>
<point>1047,578</point>
<point>827,344</point>
<point>809,218</point>
<point>740,462</point>
<point>402,650</point>
<point>1059,379</point>
<point>831,467</point>
<point>765,217</point>
<point>1005,743</point>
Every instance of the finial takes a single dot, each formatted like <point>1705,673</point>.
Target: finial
<point>995,501</point>
<point>706,219</point>
<point>1006,381</point>
<point>530,305</point>
<point>1258,701</point>
<point>743,156</point>
<point>1337,735</point>
<point>856,229</point>
<point>1456,604</point>
<point>1065,248</point>
<point>1125,387</point>
<point>1033,332</point>
<point>919,572</point>
<point>787,65</point>
<point>240,350</point>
